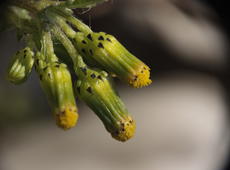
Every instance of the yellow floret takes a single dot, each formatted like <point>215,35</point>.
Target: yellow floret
<point>141,78</point>
<point>67,118</point>
<point>126,131</point>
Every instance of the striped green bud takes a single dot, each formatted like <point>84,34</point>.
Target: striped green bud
<point>21,66</point>
<point>95,89</point>
<point>104,50</point>
<point>56,82</point>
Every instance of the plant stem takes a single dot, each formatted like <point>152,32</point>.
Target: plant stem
<point>68,17</point>
<point>81,3</point>
<point>47,47</point>
<point>76,58</point>
<point>60,21</point>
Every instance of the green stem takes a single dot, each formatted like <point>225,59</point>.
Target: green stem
<point>76,58</point>
<point>47,48</point>
<point>63,25</point>
<point>81,3</point>
<point>70,18</point>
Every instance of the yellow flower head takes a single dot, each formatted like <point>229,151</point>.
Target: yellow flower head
<point>56,82</point>
<point>66,118</point>
<point>95,89</point>
<point>105,51</point>
<point>126,129</point>
<point>141,77</point>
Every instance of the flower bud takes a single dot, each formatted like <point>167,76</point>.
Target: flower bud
<point>56,82</point>
<point>21,66</point>
<point>104,50</point>
<point>96,90</point>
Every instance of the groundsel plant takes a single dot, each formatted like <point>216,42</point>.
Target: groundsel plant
<point>60,46</point>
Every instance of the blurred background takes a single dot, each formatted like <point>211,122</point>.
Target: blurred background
<point>182,117</point>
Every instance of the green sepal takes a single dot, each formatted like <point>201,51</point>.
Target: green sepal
<point>56,82</point>
<point>21,66</point>
<point>105,51</point>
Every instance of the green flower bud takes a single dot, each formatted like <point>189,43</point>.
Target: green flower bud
<point>105,51</point>
<point>56,82</point>
<point>95,89</point>
<point>21,66</point>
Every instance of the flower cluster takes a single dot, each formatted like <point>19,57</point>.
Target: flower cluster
<point>60,54</point>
